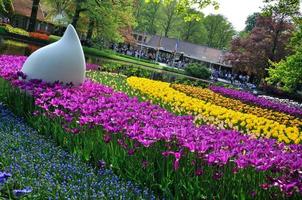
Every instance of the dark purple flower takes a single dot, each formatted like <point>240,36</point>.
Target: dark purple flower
<point>235,170</point>
<point>198,172</point>
<point>253,194</point>
<point>217,175</point>
<point>107,138</point>
<point>145,164</point>
<point>131,152</point>
<point>21,74</point>
<point>102,164</point>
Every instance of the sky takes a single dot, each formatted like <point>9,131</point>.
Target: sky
<point>236,11</point>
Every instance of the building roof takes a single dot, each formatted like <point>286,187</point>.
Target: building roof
<point>23,7</point>
<point>191,50</point>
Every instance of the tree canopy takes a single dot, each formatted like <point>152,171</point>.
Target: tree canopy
<point>6,7</point>
<point>267,41</point>
<point>253,53</point>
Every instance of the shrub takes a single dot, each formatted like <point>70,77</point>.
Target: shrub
<point>287,72</point>
<point>198,71</point>
<point>187,81</point>
<point>40,36</point>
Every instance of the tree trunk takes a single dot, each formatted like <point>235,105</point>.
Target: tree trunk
<point>76,15</point>
<point>188,32</point>
<point>276,38</point>
<point>274,48</point>
<point>33,16</point>
<point>168,25</point>
<point>90,30</point>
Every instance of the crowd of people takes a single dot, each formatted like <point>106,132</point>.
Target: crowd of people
<point>238,79</point>
<point>178,61</point>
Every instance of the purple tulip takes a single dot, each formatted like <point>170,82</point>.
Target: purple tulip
<point>259,101</point>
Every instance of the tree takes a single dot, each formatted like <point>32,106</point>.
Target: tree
<point>287,73</point>
<point>220,31</point>
<point>169,18</point>
<point>111,21</point>
<point>33,16</point>
<point>146,15</point>
<point>162,16</point>
<point>194,30</point>
<point>102,21</point>
<point>80,6</point>
<point>57,10</point>
<point>250,22</point>
<point>184,7</point>
<point>282,11</point>
<point>252,54</point>
<point>268,40</point>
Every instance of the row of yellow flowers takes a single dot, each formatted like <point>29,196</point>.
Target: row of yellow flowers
<point>219,100</point>
<point>212,114</point>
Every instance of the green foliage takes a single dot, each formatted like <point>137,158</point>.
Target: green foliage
<point>287,8</point>
<point>6,7</point>
<point>147,16</point>
<point>164,18</point>
<point>194,31</point>
<point>169,18</point>
<point>107,18</point>
<point>288,72</point>
<point>220,31</point>
<point>184,6</point>
<point>250,22</point>
<point>296,40</point>
<point>198,71</point>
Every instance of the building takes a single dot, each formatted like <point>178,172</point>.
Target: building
<point>21,16</point>
<point>214,58</point>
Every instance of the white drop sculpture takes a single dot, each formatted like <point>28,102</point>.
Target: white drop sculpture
<point>62,61</point>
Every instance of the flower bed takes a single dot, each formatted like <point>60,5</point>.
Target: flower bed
<point>252,99</point>
<point>217,99</point>
<point>40,36</point>
<point>36,164</point>
<point>283,101</point>
<point>142,141</point>
<point>91,66</point>
<point>213,114</point>
<point>18,31</point>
